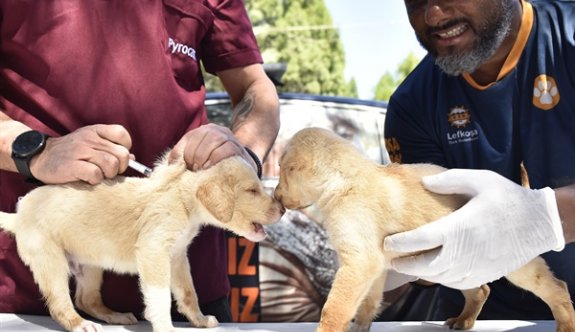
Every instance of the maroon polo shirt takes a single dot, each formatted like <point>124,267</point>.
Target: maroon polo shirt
<point>66,64</point>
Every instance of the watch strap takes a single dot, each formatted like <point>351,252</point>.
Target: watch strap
<point>23,167</point>
<point>256,160</point>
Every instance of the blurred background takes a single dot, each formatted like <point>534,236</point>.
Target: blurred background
<point>360,49</point>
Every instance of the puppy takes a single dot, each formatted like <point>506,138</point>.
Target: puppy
<point>362,202</point>
<point>134,225</point>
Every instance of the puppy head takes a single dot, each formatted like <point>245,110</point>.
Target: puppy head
<point>235,197</point>
<point>310,164</point>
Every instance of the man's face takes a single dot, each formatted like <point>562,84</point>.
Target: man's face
<point>460,34</point>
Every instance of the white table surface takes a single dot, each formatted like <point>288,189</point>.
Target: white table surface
<point>13,323</point>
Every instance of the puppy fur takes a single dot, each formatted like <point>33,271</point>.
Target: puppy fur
<point>362,202</point>
<point>134,225</point>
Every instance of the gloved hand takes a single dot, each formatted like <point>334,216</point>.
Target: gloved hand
<point>501,228</point>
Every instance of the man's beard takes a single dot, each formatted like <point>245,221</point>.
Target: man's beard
<point>491,35</point>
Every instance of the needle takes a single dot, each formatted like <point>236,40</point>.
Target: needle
<point>139,167</point>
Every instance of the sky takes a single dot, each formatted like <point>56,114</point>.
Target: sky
<point>376,37</point>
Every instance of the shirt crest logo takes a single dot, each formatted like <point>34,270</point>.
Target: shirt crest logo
<point>545,92</point>
<point>459,117</point>
<point>393,150</point>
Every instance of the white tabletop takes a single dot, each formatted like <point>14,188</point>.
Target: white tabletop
<point>13,323</point>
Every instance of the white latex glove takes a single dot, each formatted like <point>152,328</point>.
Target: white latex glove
<point>500,229</point>
<point>395,280</point>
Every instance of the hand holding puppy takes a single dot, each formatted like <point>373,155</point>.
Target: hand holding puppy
<point>207,145</point>
<point>501,228</point>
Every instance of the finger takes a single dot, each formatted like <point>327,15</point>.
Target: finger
<point>118,156</point>
<point>115,134</point>
<point>454,181</point>
<point>193,151</point>
<point>226,150</point>
<point>426,237</point>
<point>177,151</point>
<point>208,145</point>
<point>111,157</point>
<point>87,172</point>
<point>216,144</point>
<point>115,140</point>
<point>421,265</point>
<point>108,163</point>
<point>187,147</point>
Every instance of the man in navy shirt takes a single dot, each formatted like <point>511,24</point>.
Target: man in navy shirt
<point>495,92</point>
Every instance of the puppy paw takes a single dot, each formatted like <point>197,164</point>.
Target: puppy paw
<point>356,327</point>
<point>458,323</point>
<point>119,318</point>
<point>204,321</point>
<point>212,321</point>
<point>88,326</point>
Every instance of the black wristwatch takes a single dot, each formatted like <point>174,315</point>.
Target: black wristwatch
<point>256,160</point>
<point>25,146</point>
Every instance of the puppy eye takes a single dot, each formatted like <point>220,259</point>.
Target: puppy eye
<point>252,190</point>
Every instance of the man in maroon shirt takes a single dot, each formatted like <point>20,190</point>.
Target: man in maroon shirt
<point>106,79</point>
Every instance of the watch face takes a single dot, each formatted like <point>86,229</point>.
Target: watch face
<point>28,143</point>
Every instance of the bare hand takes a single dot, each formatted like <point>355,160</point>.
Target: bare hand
<point>205,146</point>
<point>89,154</point>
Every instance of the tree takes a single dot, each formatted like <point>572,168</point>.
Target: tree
<point>389,82</point>
<point>300,33</point>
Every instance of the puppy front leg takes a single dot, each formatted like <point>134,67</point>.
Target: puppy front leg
<point>351,284</point>
<point>154,269</point>
<point>370,307</point>
<point>185,293</point>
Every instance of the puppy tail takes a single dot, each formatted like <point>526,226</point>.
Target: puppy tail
<point>8,222</point>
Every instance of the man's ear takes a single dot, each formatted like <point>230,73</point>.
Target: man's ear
<point>217,196</point>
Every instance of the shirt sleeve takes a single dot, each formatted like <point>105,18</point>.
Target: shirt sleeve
<point>409,133</point>
<point>231,41</point>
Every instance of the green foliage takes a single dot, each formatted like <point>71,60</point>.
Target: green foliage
<point>300,33</point>
<point>407,65</point>
<point>389,82</point>
<point>385,87</point>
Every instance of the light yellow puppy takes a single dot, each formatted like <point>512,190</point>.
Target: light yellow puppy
<point>362,202</point>
<point>134,225</point>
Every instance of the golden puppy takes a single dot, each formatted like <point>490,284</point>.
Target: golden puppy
<point>134,225</point>
<point>362,202</point>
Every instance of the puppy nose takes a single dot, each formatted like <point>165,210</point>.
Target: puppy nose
<point>277,195</point>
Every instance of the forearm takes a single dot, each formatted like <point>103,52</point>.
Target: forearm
<point>566,203</point>
<point>9,129</point>
<point>255,120</point>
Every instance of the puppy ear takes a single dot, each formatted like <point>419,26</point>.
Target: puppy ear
<point>217,197</point>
